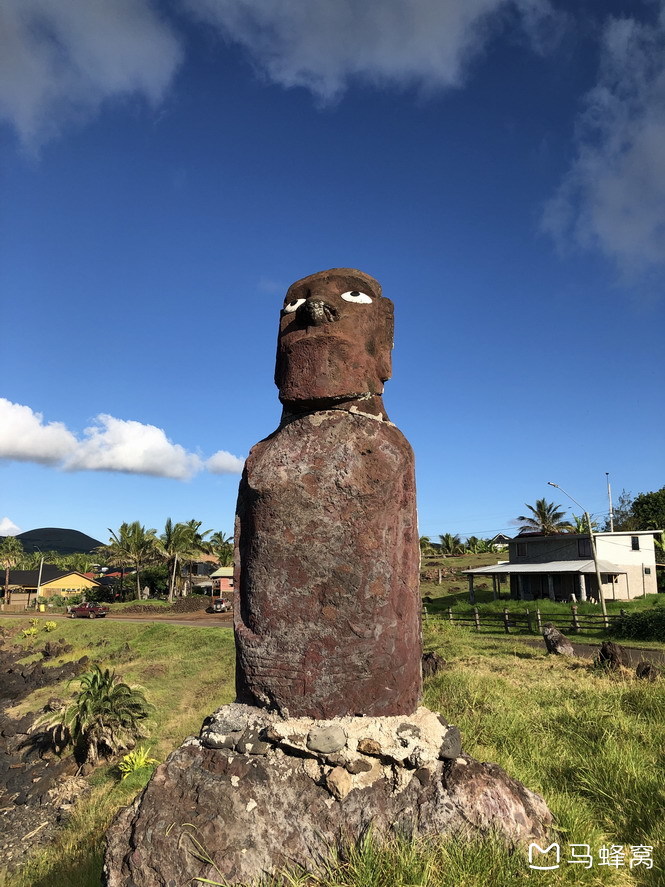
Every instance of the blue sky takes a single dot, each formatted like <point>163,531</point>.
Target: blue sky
<point>169,168</point>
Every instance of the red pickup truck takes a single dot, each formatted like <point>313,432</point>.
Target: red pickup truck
<point>87,610</point>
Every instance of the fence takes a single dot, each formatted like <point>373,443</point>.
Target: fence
<point>530,621</point>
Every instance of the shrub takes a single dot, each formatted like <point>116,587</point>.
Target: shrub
<point>29,632</point>
<point>644,625</point>
<point>136,760</point>
<point>105,717</point>
<point>50,626</point>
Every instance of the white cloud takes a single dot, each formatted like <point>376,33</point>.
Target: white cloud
<point>25,437</point>
<point>61,59</point>
<point>613,197</point>
<point>322,45</point>
<point>222,462</point>
<point>129,446</point>
<point>8,527</point>
<point>109,445</point>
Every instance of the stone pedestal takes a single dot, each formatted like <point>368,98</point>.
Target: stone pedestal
<point>256,793</point>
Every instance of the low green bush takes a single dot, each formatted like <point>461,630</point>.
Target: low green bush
<point>647,625</point>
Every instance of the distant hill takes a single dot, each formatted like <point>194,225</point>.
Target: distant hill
<point>57,539</point>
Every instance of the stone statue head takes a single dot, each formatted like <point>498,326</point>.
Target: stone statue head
<point>335,339</point>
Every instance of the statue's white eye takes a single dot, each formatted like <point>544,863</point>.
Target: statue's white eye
<point>292,306</point>
<point>358,298</point>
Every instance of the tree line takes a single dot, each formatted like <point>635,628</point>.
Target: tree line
<point>646,511</point>
<point>132,546</point>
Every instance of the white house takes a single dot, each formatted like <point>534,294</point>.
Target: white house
<point>562,565</point>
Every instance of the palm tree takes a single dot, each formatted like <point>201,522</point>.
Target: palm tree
<point>199,542</point>
<point>580,524</point>
<point>451,545</point>
<point>221,547</point>
<point>176,544</point>
<point>30,560</point>
<point>105,717</point>
<point>82,563</point>
<point>11,552</point>
<point>546,518</point>
<point>426,548</point>
<point>473,544</point>
<point>134,545</point>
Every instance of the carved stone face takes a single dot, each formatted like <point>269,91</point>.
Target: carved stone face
<point>335,338</point>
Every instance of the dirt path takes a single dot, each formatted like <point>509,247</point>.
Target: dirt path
<point>207,620</point>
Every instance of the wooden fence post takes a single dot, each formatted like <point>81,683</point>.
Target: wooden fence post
<point>476,618</point>
<point>450,614</point>
<point>439,576</point>
<point>528,621</point>
<point>576,623</point>
<point>539,621</point>
<point>505,620</point>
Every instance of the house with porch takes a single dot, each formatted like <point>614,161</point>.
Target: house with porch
<point>561,566</point>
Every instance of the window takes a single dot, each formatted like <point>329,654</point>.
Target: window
<point>635,543</point>
<point>521,549</point>
<point>584,548</point>
<point>647,571</point>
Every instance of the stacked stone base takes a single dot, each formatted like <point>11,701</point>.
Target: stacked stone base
<point>256,793</point>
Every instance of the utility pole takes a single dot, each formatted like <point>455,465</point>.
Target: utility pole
<point>593,548</point>
<point>609,496</point>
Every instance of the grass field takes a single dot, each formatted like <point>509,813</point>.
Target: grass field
<point>589,742</point>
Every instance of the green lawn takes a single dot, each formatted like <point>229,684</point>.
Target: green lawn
<point>590,742</point>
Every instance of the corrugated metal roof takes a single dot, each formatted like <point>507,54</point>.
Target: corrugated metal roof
<point>549,567</point>
<point>221,572</point>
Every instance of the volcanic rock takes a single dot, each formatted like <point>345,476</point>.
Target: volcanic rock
<point>257,814</point>
<point>556,642</point>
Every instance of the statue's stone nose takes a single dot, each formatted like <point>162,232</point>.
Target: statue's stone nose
<point>314,312</point>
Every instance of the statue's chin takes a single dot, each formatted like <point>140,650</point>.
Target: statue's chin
<point>322,370</point>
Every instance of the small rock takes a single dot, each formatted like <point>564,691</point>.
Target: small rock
<point>326,739</point>
<point>339,782</point>
<point>451,747</point>
<point>612,655</point>
<point>369,747</point>
<point>556,642</point>
<point>250,743</point>
<point>312,768</point>
<point>647,671</point>
<point>431,664</point>
<point>211,739</point>
<point>358,766</point>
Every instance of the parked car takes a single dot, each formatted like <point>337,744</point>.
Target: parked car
<point>87,610</point>
<point>220,605</point>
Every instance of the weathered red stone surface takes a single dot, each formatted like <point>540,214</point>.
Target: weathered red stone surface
<point>327,615</point>
<point>333,348</point>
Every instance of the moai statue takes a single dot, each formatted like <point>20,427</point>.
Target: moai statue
<point>327,610</point>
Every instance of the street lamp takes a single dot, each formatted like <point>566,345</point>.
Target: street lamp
<point>593,547</point>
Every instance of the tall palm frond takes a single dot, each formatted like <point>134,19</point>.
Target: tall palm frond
<point>545,518</point>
